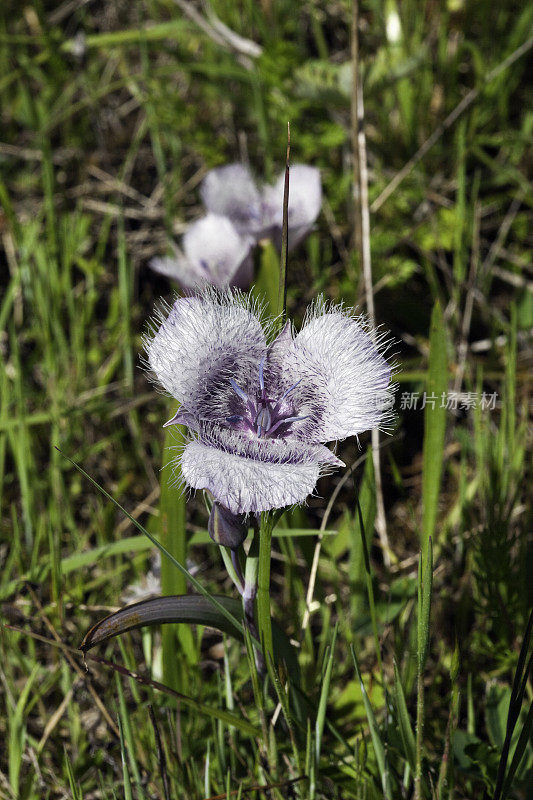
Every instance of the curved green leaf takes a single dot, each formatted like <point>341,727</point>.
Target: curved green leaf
<point>188,608</point>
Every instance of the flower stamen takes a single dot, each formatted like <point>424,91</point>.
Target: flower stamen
<point>262,416</point>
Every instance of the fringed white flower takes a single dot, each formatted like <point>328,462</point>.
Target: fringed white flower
<point>260,409</point>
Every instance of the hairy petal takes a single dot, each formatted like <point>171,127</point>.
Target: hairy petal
<point>231,192</point>
<point>344,377</point>
<point>200,344</point>
<point>244,482</point>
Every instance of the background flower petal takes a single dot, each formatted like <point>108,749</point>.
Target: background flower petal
<point>305,200</point>
<point>215,249</point>
<point>177,268</point>
<point>344,377</point>
<point>231,192</point>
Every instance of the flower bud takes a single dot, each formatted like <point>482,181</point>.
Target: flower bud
<point>225,528</point>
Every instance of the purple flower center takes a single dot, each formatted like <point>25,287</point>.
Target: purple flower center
<point>262,415</point>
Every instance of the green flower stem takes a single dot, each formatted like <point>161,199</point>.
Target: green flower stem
<point>232,567</point>
<point>250,582</point>
<point>177,640</point>
<point>249,594</point>
<point>263,590</point>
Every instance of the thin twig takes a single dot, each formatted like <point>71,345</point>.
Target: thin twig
<point>502,234</point>
<point>318,544</point>
<point>316,554</point>
<point>221,34</point>
<point>59,156</point>
<point>362,230</point>
<point>72,663</point>
<point>452,117</point>
<point>142,507</point>
<point>267,787</point>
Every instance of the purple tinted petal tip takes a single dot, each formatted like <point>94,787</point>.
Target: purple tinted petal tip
<point>180,418</point>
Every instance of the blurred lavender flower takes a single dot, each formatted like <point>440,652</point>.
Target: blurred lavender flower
<point>232,192</point>
<point>214,252</point>
<point>305,200</point>
<point>260,408</point>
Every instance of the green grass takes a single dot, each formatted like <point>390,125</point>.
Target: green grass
<point>105,138</point>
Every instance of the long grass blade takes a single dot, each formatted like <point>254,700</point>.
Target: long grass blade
<point>434,425</point>
<point>377,741</point>
<point>177,644</point>
<point>404,722</point>
<point>324,694</point>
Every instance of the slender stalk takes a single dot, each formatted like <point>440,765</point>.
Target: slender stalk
<point>358,234</point>
<point>282,291</point>
<point>362,244</point>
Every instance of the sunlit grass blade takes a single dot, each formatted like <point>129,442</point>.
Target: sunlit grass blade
<point>369,584</point>
<point>178,645</point>
<point>128,794</point>
<point>17,731</point>
<point>403,719</point>
<point>324,694</point>
<point>425,586</point>
<point>264,621</point>
<point>362,537</point>
<point>377,741</point>
<point>126,734</point>
<point>524,669</point>
<point>434,424</point>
